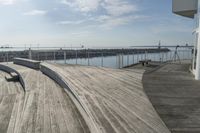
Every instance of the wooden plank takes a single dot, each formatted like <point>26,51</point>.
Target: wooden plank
<point>175,96</point>
<point>46,106</point>
<point>115,87</point>
<point>6,107</point>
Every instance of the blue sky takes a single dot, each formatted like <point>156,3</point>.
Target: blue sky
<point>92,23</point>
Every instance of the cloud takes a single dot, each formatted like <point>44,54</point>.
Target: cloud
<point>112,7</point>
<point>118,7</point>
<point>70,22</point>
<point>35,12</point>
<point>7,2</point>
<point>109,22</point>
<point>82,5</point>
<point>107,13</point>
<point>81,33</point>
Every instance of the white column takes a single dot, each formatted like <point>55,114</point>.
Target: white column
<point>195,46</point>
<point>197,75</point>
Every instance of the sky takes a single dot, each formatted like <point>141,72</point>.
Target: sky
<point>92,23</point>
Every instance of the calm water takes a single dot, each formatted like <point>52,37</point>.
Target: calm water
<point>120,61</point>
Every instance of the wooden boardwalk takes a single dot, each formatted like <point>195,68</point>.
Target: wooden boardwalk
<point>176,96</point>
<point>43,108</point>
<point>115,98</point>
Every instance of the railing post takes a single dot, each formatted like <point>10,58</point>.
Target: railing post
<point>170,55</point>
<point>122,60</point>
<point>145,55</point>
<point>102,59</point>
<point>133,58</point>
<point>76,57</point>
<point>88,58</point>
<point>54,56</point>
<point>7,56</point>
<point>118,60</point>
<point>141,56</point>
<point>117,63</point>
<point>30,54</point>
<point>167,59</point>
<point>128,59</point>
<point>65,57</point>
<point>38,55</point>
<point>4,57</point>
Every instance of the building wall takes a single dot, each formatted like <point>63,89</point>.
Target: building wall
<point>185,8</point>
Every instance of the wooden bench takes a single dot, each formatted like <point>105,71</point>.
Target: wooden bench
<point>27,62</point>
<point>12,77</point>
<point>145,62</point>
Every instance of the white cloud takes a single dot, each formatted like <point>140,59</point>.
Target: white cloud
<point>7,2</point>
<point>112,13</point>
<point>70,22</point>
<point>81,33</point>
<point>83,5</point>
<point>35,12</point>
<point>114,22</point>
<point>113,7</point>
<point>118,7</point>
<point>109,22</point>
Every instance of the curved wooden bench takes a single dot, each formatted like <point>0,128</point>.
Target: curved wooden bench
<point>27,62</point>
<point>9,70</point>
<point>80,106</point>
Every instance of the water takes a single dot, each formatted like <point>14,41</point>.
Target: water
<point>120,61</point>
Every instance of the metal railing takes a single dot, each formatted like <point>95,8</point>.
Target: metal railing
<point>102,57</point>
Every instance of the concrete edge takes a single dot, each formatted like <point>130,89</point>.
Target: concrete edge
<point>8,69</point>
<point>27,62</point>
<point>73,95</point>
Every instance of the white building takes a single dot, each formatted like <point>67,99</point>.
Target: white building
<point>191,9</point>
